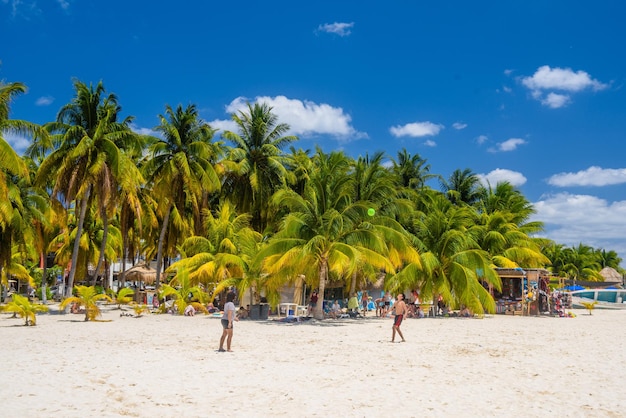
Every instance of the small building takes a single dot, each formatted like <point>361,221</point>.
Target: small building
<point>524,291</point>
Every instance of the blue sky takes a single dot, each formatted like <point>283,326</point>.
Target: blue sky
<point>530,92</point>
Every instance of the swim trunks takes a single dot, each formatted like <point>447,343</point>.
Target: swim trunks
<point>397,320</point>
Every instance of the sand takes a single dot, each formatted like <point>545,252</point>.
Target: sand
<point>167,366</point>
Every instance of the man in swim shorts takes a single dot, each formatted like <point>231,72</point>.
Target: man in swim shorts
<point>401,310</point>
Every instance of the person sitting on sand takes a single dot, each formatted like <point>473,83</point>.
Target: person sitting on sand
<point>190,310</point>
<point>335,310</point>
<point>242,313</point>
<point>75,308</point>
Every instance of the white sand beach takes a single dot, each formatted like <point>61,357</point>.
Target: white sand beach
<point>166,366</point>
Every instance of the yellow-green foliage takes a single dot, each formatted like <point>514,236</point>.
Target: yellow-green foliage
<point>22,306</point>
<point>589,306</point>
<point>139,309</point>
<point>86,297</point>
<point>124,297</point>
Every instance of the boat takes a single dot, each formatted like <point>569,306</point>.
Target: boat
<point>604,298</point>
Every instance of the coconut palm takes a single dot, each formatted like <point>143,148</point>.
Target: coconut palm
<point>89,165</point>
<point>86,297</point>
<point>453,264</point>
<point>608,258</point>
<point>124,296</point>
<point>224,257</point>
<point>24,308</point>
<point>184,293</point>
<point>13,176</point>
<point>180,170</point>
<point>411,171</point>
<point>322,235</point>
<point>462,187</point>
<point>507,244</point>
<point>257,163</point>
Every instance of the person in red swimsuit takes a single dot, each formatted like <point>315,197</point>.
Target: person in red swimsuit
<point>401,310</point>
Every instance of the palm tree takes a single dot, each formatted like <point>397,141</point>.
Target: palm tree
<point>608,258</point>
<point>24,308</point>
<point>373,186</point>
<point>582,264</point>
<point>322,235</point>
<point>463,187</point>
<point>12,170</point>
<point>257,163</point>
<point>87,297</point>
<point>88,162</point>
<point>224,257</point>
<point>411,171</point>
<point>504,212</point>
<point>184,293</point>
<point>124,297</point>
<point>453,264</point>
<point>180,169</point>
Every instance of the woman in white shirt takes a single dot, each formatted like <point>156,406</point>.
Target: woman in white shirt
<point>227,322</point>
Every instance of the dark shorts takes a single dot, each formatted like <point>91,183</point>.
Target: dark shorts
<point>313,304</point>
<point>225,324</point>
<point>387,303</point>
<point>397,320</point>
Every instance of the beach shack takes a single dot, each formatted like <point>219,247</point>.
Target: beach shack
<point>524,291</point>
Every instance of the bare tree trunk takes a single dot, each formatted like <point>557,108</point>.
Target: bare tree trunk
<point>103,245</point>
<point>44,277</point>
<point>353,284</point>
<point>318,313</point>
<point>79,232</point>
<point>166,219</point>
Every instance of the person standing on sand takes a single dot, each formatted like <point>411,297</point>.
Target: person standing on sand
<point>227,322</point>
<point>401,310</point>
<point>312,303</point>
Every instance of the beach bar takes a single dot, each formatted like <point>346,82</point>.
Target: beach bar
<point>524,291</point>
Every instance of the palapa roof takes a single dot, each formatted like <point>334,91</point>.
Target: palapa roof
<point>611,275</point>
<point>141,273</point>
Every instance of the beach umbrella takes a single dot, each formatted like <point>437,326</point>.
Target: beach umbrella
<point>297,294</point>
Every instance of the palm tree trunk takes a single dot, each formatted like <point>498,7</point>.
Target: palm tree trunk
<point>166,219</point>
<point>122,277</point>
<point>323,275</point>
<point>103,245</point>
<point>44,277</point>
<point>79,232</point>
<point>353,284</point>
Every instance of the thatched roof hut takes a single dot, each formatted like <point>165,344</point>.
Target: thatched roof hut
<point>611,275</point>
<point>141,273</point>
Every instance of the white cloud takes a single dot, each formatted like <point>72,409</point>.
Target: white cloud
<point>304,118</point>
<point>481,139</point>
<point>573,219</point>
<point>593,176</point>
<point>416,129</point>
<point>555,100</point>
<point>341,29</point>
<point>430,143</point>
<point>500,175</point>
<point>64,4</point>
<point>459,125</point>
<point>18,142</point>
<point>143,131</point>
<point>224,125</point>
<point>546,79</point>
<point>44,101</point>
<point>508,145</point>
